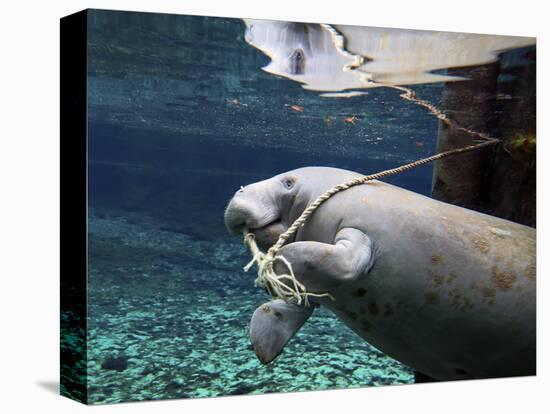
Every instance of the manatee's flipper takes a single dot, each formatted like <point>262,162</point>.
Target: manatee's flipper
<point>272,326</point>
<point>322,266</point>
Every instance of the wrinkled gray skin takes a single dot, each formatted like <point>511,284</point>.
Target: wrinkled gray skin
<point>447,291</point>
<point>273,325</point>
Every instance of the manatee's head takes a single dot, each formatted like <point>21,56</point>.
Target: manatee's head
<point>267,208</point>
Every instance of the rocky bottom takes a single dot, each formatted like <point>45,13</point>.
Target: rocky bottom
<point>168,318</point>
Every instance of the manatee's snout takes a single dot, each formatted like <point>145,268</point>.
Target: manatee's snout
<point>236,215</point>
<point>250,207</point>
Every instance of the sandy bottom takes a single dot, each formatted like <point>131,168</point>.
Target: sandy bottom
<point>168,318</point>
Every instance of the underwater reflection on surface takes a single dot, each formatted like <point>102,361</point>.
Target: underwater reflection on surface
<point>338,57</point>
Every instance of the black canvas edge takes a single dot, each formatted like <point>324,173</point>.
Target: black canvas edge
<point>73,206</point>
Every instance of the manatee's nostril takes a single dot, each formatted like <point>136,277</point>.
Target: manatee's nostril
<point>235,217</point>
<point>234,223</point>
<point>247,209</point>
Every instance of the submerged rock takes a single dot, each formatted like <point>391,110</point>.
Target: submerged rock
<point>116,364</point>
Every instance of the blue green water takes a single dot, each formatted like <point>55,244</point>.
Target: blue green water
<point>180,116</point>
<point>178,308</point>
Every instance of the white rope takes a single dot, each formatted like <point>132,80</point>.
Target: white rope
<point>292,290</point>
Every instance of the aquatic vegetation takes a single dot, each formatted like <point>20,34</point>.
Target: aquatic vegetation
<point>523,147</point>
<point>524,142</point>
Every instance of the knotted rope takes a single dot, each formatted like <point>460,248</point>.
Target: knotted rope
<point>271,281</point>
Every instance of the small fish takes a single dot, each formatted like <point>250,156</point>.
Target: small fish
<point>235,101</point>
<point>350,120</point>
<point>419,144</point>
<point>329,120</point>
<point>297,108</point>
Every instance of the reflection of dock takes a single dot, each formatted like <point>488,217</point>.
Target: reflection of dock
<point>331,58</point>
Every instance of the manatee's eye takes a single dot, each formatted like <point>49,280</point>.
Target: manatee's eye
<point>288,182</point>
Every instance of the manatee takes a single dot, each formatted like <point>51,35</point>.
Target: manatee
<point>445,290</point>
